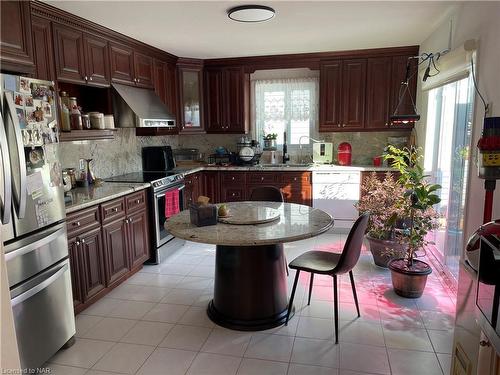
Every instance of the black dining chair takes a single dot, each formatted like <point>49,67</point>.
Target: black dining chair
<point>333,264</point>
<point>268,194</point>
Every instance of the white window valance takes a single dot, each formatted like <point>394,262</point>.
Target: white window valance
<point>453,66</point>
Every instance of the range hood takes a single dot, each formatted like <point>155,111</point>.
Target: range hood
<point>139,108</point>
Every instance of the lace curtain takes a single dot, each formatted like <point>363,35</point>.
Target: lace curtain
<point>289,105</point>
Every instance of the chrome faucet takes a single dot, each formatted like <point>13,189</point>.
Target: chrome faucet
<point>286,157</point>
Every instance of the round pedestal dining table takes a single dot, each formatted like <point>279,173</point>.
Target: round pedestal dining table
<point>250,288</point>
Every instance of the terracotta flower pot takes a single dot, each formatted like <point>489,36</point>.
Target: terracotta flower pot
<point>384,250</point>
<point>409,282</point>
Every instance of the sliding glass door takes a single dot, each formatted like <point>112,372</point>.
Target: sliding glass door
<point>447,158</point>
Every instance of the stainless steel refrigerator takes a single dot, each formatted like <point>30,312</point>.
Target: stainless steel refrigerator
<point>33,219</point>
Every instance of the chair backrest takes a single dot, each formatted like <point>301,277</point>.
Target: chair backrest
<point>352,247</point>
<point>266,194</point>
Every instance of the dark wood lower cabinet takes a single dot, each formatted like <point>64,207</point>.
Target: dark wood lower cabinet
<point>76,264</point>
<point>138,231</point>
<point>93,263</point>
<point>104,255</point>
<point>115,240</point>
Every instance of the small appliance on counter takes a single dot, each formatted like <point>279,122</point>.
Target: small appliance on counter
<point>323,152</point>
<point>249,154</point>
<point>187,157</point>
<point>344,154</point>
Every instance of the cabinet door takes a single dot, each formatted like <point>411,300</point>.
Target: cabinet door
<point>213,101</point>
<point>209,186</point>
<point>171,99</point>
<point>144,75</point>
<point>96,60</point>
<point>191,105</point>
<point>160,82</point>
<point>353,93</point>
<point>42,48</point>
<point>16,53</point>
<point>330,88</point>
<point>93,269</point>
<point>70,62</point>
<point>138,231</point>
<point>115,244</point>
<point>122,64</point>
<point>378,92</point>
<point>398,76</point>
<point>75,264</point>
<point>234,101</point>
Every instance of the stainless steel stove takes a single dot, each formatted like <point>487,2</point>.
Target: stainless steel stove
<point>162,182</point>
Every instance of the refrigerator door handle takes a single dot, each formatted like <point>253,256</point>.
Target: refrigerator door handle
<point>9,255</point>
<point>6,197</point>
<point>39,287</point>
<point>22,195</point>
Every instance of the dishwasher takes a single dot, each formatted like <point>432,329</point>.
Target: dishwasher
<point>336,192</point>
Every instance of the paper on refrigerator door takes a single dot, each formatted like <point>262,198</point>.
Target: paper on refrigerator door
<point>34,183</point>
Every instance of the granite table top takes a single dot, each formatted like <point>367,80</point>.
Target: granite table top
<point>296,222</point>
<point>84,197</point>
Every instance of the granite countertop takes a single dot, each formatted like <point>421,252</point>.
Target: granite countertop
<point>84,197</point>
<point>285,168</point>
<point>296,222</point>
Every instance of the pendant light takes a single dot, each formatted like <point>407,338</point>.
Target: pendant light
<point>250,13</point>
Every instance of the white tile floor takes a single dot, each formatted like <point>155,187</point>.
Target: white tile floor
<point>155,323</point>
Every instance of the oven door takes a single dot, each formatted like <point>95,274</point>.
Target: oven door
<point>161,235</point>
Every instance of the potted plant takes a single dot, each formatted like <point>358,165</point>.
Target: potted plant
<point>270,141</point>
<point>381,198</point>
<point>409,275</point>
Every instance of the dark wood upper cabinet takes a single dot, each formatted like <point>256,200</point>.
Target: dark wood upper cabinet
<point>16,52</point>
<point>160,80</point>
<point>122,64</point>
<point>43,49</point>
<point>330,90</point>
<point>191,98</point>
<point>226,100</point>
<point>93,267</point>
<point>213,100</point>
<point>398,76</point>
<point>144,75</point>
<point>69,54</point>
<point>378,92</point>
<point>96,60</point>
<point>235,100</point>
<point>171,99</point>
<point>353,93</point>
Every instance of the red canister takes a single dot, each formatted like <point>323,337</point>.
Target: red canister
<point>344,154</point>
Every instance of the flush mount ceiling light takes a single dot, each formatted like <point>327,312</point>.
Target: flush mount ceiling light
<point>250,13</point>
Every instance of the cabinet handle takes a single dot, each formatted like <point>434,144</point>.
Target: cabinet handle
<point>77,243</point>
<point>138,201</point>
<point>76,224</point>
<point>233,194</point>
<point>295,178</point>
<point>83,240</point>
<point>484,343</point>
<point>90,78</point>
<point>386,124</point>
<point>86,78</point>
<point>343,125</point>
<point>138,80</point>
<point>338,125</point>
<point>262,178</point>
<point>232,178</point>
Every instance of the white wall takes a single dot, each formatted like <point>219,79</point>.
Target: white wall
<point>472,20</point>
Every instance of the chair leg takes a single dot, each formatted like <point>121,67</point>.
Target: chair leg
<point>310,288</point>
<point>290,303</point>
<point>286,266</point>
<point>336,309</point>
<point>354,292</point>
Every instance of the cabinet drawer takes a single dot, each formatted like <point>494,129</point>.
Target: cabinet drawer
<point>136,202</point>
<point>233,194</point>
<point>81,221</point>
<point>113,210</point>
<point>261,178</point>
<point>233,177</point>
<point>296,177</point>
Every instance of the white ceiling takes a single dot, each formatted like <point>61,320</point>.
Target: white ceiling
<point>202,29</point>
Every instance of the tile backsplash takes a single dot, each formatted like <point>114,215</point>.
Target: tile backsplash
<point>123,154</point>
